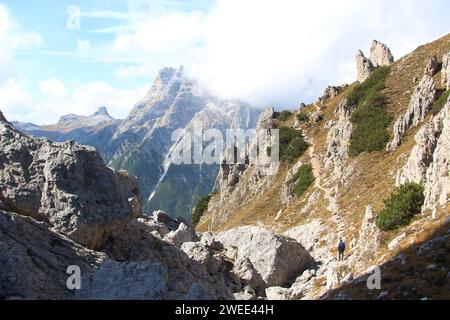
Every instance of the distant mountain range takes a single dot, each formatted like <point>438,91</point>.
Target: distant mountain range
<point>140,144</point>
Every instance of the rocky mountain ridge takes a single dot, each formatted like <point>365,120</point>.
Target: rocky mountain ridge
<point>141,143</point>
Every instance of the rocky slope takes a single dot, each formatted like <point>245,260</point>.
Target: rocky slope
<point>61,206</point>
<point>348,191</point>
<point>141,143</point>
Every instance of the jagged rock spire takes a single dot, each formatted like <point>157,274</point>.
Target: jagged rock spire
<point>363,65</point>
<point>446,70</point>
<point>102,111</point>
<point>379,55</point>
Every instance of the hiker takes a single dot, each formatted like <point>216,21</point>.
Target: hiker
<point>341,249</point>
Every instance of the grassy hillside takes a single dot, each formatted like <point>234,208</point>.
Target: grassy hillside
<point>372,170</point>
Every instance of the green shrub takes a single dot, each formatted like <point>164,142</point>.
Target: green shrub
<point>440,102</point>
<point>370,120</point>
<point>292,144</point>
<point>302,180</point>
<point>200,208</point>
<point>401,206</point>
<point>284,115</point>
<point>302,117</point>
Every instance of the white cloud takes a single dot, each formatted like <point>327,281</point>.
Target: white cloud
<point>281,51</point>
<point>13,89</point>
<point>81,98</point>
<point>166,33</point>
<point>14,96</point>
<point>13,37</point>
<point>273,51</point>
<point>52,87</point>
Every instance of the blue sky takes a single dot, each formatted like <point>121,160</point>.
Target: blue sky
<point>267,52</point>
<point>60,55</point>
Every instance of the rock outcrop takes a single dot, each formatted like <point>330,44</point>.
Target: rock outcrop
<point>446,70</point>
<point>231,169</point>
<point>277,259</point>
<point>67,185</point>
<point>437,188</point>
<point>338,141</point>
<point>329,93</point>
<point>421,155</point>
<point>420,104</point>
<point>363,66</point>
<point>380,55</point>
<point>428,162</point>
<point>34,259</point>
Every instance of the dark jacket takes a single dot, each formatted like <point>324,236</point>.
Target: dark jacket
<point>341,246</point>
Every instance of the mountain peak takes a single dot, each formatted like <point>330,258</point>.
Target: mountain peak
<point>102,111</point>
<point>167,77</point>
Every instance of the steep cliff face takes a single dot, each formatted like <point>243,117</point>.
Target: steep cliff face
<point>348,192</point>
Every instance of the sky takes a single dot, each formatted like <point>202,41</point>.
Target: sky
<point>61,57</point>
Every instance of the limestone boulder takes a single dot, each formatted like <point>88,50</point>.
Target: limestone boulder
<point>66,185</point>
<point>181,235</point>
<point>276,258</point>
